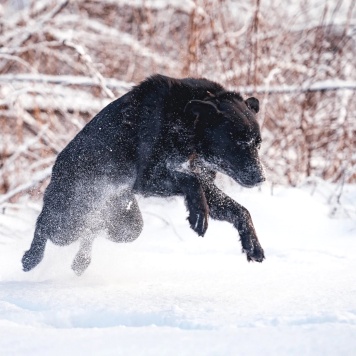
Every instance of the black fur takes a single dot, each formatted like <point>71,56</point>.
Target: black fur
<point>165,137</point>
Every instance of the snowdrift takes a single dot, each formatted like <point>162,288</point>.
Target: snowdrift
<point>173,293</point>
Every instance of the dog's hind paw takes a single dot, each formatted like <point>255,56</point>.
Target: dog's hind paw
<point>30,260</point>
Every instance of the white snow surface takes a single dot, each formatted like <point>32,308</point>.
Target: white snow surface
<point>173,293</point>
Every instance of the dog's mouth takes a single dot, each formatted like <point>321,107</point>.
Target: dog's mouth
<point>251,184</point>
<point>247,179</point>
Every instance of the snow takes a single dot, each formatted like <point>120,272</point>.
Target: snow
<point>173,293</point>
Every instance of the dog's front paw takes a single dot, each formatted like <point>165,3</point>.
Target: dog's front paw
<point>254,252</point>
<point>198,222</point>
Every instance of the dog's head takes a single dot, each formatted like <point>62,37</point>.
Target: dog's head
<point>228,136</point>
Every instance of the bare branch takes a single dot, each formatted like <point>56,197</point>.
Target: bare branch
<point>321,86</point>
<point>34,180</point>
<point>326,85</point>
<point>66,80</point>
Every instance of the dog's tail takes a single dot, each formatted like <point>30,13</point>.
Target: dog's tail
<point>34,255</point>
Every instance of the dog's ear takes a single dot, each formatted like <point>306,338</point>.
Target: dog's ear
<point>253,104</point>
<point>200,108</point>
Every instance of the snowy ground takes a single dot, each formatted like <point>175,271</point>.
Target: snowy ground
<point>174,293</point>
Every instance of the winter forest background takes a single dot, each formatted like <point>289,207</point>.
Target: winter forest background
<point>62,61</point>
<point>171,292</point>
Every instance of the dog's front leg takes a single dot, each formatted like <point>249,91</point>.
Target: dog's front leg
<point>222,207</point>
<point>195,201</point>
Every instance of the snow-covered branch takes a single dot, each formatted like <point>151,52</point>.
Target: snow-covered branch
<point>326,85</point>
<point>65,80</point>
<point>33,181</point>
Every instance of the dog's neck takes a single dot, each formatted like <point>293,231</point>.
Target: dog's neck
<point>195,165</point>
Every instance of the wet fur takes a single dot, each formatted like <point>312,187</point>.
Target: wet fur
<point>165,137</point>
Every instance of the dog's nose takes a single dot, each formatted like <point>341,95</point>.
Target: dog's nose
<point>261,179</point>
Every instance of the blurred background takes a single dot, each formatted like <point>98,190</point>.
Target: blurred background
<point>62,61</point>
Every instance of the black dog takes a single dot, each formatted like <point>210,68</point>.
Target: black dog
<point>165,137</point>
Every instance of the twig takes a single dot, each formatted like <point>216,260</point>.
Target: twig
<point>124,86</point>
<point>38,178</point>
<point>64,80</point>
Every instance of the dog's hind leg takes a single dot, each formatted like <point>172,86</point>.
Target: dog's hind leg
<point>83,257</point>
<point>51,225</point>
<point>34,255</point>
<point>123,220</point>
